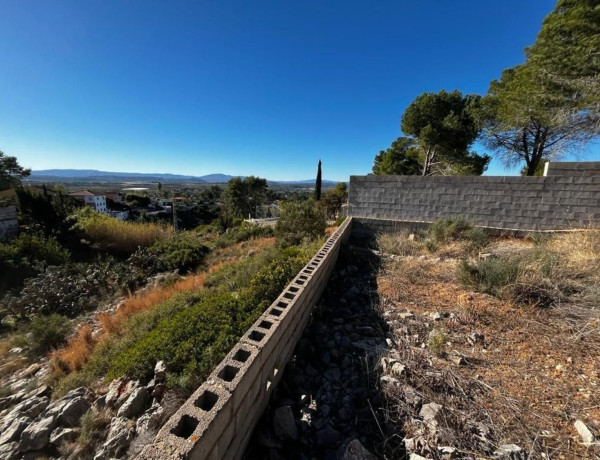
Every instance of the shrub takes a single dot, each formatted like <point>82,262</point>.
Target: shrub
<point>116,236</point>
<point>444,231</point>
<point>243,232</point>
<point>399,244</point>
<point>300,220</point>
<point>26,256</point>
<point>66,290</point>
<point>191,331</point>
<point>437,341</point>
<point>490,275</point>
<point>339,221</point>
<point>47,333</point>
<point>183,251</point>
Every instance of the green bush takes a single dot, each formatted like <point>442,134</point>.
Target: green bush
<point>339,221</point>
<point>47,333</point>
<point>300,220</point>
<point>66,290</point>
<point>444,231</point>
<point>192,332</point>
<point>243,232</point>
<point>490,275</point>
<point>183,251</point>
<point>26,256</point>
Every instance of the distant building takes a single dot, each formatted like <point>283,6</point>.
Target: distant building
<point>119,215</point>
<point>96,202</point>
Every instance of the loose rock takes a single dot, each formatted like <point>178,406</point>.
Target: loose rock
<point>284,423</point>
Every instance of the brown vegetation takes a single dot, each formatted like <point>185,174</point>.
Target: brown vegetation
<point>524,372</point>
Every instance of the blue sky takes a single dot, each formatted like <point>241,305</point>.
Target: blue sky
<point>246,87</point>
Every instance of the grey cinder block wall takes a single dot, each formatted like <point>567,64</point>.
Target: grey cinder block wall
<point>217,421</point>
<point>567,197</point>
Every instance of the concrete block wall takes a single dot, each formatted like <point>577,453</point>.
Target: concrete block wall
<point>554,202</point>
<point>9,225</point>
<point>572,168</point>
<point>216,422</point>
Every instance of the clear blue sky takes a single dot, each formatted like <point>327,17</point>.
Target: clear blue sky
<point>245,87</point>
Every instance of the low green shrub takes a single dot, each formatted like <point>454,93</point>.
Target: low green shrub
<point>437,341</point>
<point>243,232</point>
<point>339,221</point>
<point>47,333</point>
<point>444,231</point>
<point>66,290</point>
<point>490,275</point>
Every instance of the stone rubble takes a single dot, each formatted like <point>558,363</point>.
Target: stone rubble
<point>321,409</point>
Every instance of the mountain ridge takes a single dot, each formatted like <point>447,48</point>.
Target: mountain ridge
<point>110,176</point>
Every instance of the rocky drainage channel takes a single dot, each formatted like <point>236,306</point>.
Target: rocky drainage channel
<point>324,406</point>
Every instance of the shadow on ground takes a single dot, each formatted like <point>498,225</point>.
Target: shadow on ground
<point>329,395</point>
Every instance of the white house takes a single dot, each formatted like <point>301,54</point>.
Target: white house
<point>97,202</point>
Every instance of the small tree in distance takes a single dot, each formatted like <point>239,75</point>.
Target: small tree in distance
<point>318,183</point>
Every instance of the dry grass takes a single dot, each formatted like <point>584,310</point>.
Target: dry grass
<point>75,353</point>
<point>401,244</point>
<point>120,235</point>
<point>531,376</point>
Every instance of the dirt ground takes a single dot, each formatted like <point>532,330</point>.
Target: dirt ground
<point>525,373</point>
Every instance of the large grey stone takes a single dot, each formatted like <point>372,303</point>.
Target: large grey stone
<point>10,451</point>
<point>135,404</point>
<point>31,407</point>
<point>586,434</point>
<point>61,435</point>
<point>119,437</point>
<point>13,431</point>
<point>356,451</point>
<point>72,411</point>
<point>37,435</point>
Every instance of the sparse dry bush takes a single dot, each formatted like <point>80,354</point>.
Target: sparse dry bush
<point>118,236</point>
<point>400,244</point>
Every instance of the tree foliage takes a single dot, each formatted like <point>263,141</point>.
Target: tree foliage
<point>549,106</point>
<point>243,196</point>
<point>402,158</point>
<point>11,172</point>
<point>300,220</point>
<point>520,122</point>
<point>318,183</point>
<point>444,127</point>
<point>332,200</point>
<point>567,52</point>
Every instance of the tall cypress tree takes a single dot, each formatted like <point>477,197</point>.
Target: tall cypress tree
<point>318,183</point>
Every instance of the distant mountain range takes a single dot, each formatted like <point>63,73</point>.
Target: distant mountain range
<point>92,175</point>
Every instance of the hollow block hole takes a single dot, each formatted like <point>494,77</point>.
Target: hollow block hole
<point>265,324</point>
<point>289,295</point>
<point>281,304</point>
<point>228,373</point>
<point>207,400</point>
<point>241,355</point>
<point>186,426</point>
<point>275,312</point>
<point>256,336</point>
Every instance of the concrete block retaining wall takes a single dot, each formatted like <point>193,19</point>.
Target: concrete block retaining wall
<point>568,197</point>
<point>216,422</point>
